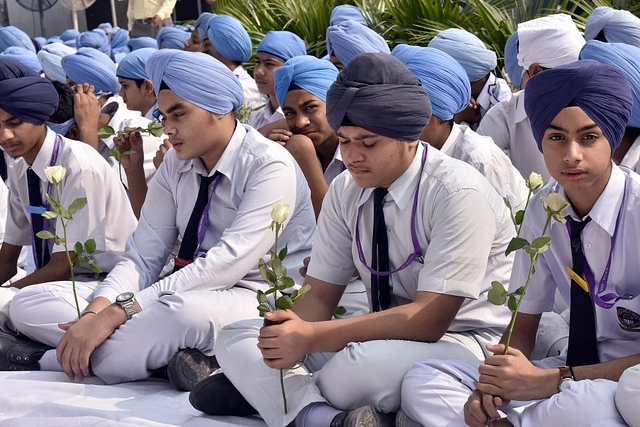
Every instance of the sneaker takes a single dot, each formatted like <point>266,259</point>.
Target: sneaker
<point>19,353</point>
<point>403,420</point>
<point>216,395</point>
<point>366,416</point>
<point>188,367</point>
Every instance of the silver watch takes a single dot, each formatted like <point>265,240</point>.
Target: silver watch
<point>126,300</point>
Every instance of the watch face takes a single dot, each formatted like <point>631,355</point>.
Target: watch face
<point>124,297</point>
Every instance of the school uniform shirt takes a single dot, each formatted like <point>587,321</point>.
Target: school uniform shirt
<point>252,96</point>
<point>121,119</point>
<point>485,156</point>
<point>335,168</point>
<point>509,127</point>
<point>495,90</point>
<point>265,116</point>
<point>107,218</point>
<point>631,160</point>
<point>462,225</point>
<point>255,174</point>
<point>618,327</point>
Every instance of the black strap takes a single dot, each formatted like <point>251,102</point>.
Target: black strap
<point>41,248</point>
<point>380,290</point>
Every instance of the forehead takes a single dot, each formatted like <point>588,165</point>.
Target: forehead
<point>168,101</point>
<point>356,132</point>
<point>123,80</point>
<point>4,116</point>
<point>298,97</point>
<point>571,117</point>
<point>266,57</point>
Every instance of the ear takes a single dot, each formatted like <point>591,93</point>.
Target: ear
<point>74,132</point>
<point>535,69</point>
<point>148,87</point>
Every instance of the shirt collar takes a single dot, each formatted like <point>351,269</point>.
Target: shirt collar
<point>453,137</point>
<point>42,160</point>
<point>521,114</point>
<point>484,99</point>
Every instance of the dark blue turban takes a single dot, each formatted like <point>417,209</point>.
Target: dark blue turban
<point>24,94</point>
<point>283,45</point>
<point>377,92</point>
<point>23,55</point>
<point>600,90</point>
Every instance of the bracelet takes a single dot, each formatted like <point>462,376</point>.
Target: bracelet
<point>88,312</point>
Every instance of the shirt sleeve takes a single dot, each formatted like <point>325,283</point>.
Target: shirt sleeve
<point>18,227</point>
<point>165,8</point>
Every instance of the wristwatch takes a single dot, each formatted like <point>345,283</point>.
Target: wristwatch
<point>566,375</point>
<point>126,300</point>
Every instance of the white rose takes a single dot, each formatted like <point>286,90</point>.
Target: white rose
<point>534,182</point>
<point>555,204</point>
<point>155,128</point>
<point>55,174</point>
<point>280,212</point>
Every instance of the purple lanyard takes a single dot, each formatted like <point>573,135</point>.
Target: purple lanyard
<point>417,253</point>
<point>41,210</point>
<point>204,218</point>
<point>603,300</point>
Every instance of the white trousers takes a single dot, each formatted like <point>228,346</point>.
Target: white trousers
<point>368,373</point>
<point>434,393</point>
<point>628,396</point>
<point>144,343</point>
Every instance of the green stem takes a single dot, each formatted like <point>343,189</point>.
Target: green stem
<point>284,394</point>
<point>526,205</point>
<point>66,251</point>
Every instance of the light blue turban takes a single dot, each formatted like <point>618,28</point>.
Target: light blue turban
<point>51,60</point>
<point>105,26</point>
<point>345,12</point>
<point>172,37</point>
<point>306,72</point>
<point>627,59</point>
<point>351,38</point>
<point>94,39</point>
<point>202,23</point>
<point>13,36</point>
<point>41,42</point>
<point>283,45</point>
<point>24,56</point>
<point>514,69</point>
<point>468,50</point>
<point>618,26</point>
<point>54,39</point>
<point>119,40</point>
<point>600,90</point>
<point>197,78</point>
<point>69,37</point>
<point>94,67</point>
<point>443,78</point>
<point>132,66</point>
<point>141,42</point>
<point>229,38</point>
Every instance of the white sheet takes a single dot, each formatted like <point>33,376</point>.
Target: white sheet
<point>49,399</point>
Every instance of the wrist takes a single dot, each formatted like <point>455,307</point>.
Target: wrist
<point>565,375</point>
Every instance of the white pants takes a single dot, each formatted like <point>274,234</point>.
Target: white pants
<point>144,343</point>
<point>368,373</point>
<point>434,393</point>
<point>628,396</point>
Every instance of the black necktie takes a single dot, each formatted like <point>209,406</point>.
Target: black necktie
<point>41,248</point>
<point>380,291</point>
<point>583,348</point>
<point>3,167</point>
<point>189,243</point>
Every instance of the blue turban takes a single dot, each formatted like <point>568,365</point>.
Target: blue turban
<point>514,69</point>
<point>618,26</point>
<point>142,42</point>
<point>202,23</point>
<point>306,72</point>
<point>345,12</point>
<point>94,39</point>
<point>41,41</point>
<point>378,93</point>
<point>229,38</point>
<point>627,59</point>
<point>119,40</point>
<point>350,38</point>
<point>23,55</point>
<point>13,36</point>
<point>283,45</point>
<point>25,94</point>
<point>69,37</point>
<point>172,38</point>
<point>105,26</point>
<point>94,67</point>
<point>132,66</point>
<point>197,78</point>
<point>54,39</point>
<point>443,78</point>
<point>600,90</point>
<point>51,59</point>
<point>468,50</point>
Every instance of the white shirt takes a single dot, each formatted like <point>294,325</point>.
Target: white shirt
<point>256,173</point>
<point>265,116</point>
<point>620,201</point>
<point>462,225</point>
<point>485,156</point>
<point>509,127</point>
<point>107,218</point>
<point>252,96</point>
<point>335,168</point>
<point>495,90</point>
<point>632,158</point>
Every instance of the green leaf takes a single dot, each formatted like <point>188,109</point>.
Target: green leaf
<point>45,234</point>
<point>262,297</point>
<point>284,302</point>
<point>77,204</point>
<point>519,217</point>
<point>263,310</point>
<point>541,242</point>
<point>506,202</point>
<point>90,246</point>
<point>106,132</point>
<point>339,312</point>
<point>513,303</point>
<point>64,213</point>
<point>271,277</point>
<point>50,215</point>
<point>57,240</point>
<point>519,291</point>
<point>283,253</point>
<point>94,267</point>
<point>271,290</point>
<point>303,291</point>
<point>79,261</point>
<point>78,248</point>
<point>276,265</point>
<point>515,244</point>
<point>287,282</point>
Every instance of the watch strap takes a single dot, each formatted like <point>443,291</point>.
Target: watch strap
<point>566,374</point>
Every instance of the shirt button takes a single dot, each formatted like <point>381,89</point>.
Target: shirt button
<point>587,245</point>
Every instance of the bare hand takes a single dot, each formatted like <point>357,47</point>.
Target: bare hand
<point>281,136</point>
<point>283,345</point>
<point>305,265</point>
<point>482,407</point>
<point>131,143</point>
<point>86,108</point>
<point>301,148</point>
<point>470,115</point>
<point>162,150</point>
<point>156,21</point>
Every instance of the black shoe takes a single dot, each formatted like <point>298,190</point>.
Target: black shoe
<point>216,395</point>
<point>366,416</point>
<point>188,367</point>
<point>19,353</point>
